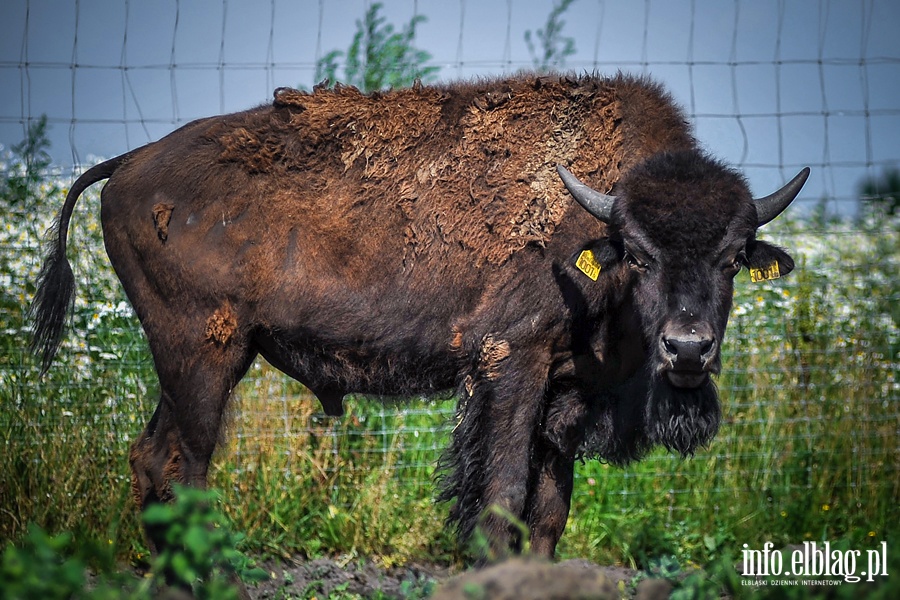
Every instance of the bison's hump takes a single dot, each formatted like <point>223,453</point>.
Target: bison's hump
<point>466,165</point>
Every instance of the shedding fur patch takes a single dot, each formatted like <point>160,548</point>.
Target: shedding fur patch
<point>468,165</point>
<point>162,214</point>
<point>221,325</point>
<point>493,353</point>
<point>456,341</point>
<point>496,190</point>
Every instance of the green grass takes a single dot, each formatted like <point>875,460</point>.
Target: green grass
<point>299,481</point>
<point>808,449</point>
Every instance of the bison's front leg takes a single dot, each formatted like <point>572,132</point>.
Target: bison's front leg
<point>562,431</point>
<point>549,501</point>
<point>490,456</point>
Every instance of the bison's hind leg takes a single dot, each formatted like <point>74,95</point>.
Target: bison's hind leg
<point>178,442</point>
<point>156,464</point>
<point>177,445</point>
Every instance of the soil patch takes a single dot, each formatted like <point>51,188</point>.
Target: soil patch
<point>516,578</point>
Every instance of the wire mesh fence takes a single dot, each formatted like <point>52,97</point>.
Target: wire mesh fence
<point>810,380</point>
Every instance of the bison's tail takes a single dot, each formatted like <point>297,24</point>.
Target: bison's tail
<point>56,285</point>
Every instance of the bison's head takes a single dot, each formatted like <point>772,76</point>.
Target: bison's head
<point>684,225</point>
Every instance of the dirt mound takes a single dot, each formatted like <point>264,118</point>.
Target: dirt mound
<point>529,579</point>
<point>520,579</point>
<point>323,577</point>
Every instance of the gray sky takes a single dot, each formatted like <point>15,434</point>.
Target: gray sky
<point>771,85</point>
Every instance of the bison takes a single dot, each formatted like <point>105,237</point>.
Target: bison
<point>426,239</point>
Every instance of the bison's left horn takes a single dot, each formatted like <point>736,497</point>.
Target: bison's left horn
<point>599,205</point>
<point>772,205</point>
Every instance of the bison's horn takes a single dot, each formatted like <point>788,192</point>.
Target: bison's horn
<point>772,205</point>
<point>599,205</point>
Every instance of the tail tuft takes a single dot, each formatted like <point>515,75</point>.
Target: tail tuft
<point>52,303</point>
<point>55,296</point>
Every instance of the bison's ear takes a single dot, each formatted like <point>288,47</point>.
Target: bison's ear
<point>762,255</point>
<point>594,258</point>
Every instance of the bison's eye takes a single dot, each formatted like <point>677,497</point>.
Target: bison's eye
<point>635,263</point>
<point>735,266</point>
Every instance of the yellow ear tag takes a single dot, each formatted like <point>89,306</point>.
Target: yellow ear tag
<point>588,265</point>
<point>765,273</point>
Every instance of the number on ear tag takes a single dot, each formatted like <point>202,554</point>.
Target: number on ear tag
<point>765,273</point>
<point>588,265</point>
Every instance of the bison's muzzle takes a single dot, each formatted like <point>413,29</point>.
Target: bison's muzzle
<point>689,354</point>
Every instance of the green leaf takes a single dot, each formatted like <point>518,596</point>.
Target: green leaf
<point>197,541</point>
<point>379,56</point>
<point>183,568</point>
<point>158,514</point>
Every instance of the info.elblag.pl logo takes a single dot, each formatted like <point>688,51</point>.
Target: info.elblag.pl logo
<point>813,564</point>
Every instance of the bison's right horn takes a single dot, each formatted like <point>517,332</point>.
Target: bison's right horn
<point>599,205</point>
<point>772,205</point>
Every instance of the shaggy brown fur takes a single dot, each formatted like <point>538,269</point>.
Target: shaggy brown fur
<point>404,151</point>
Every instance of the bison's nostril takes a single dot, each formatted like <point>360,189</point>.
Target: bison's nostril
<point>670,347</point>
<point>706,346</point>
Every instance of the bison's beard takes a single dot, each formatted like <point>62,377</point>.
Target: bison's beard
<point>681,420</point>
<point>647,411</point>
